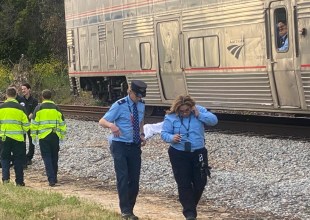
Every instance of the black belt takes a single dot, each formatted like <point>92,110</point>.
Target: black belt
<point>127,143</point>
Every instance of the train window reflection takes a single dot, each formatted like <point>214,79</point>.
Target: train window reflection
<point>196,52</point>
<point>160,7</point>
<point>204,52</point>
<point>130,9</point>
<point>191,3</point>
<point>145,56</point>
<point>174,4</point>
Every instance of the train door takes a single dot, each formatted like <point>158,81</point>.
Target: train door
<point>283,56</point>
<point>169,65</point>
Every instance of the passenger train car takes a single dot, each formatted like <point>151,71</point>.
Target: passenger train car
<point>224,53</point>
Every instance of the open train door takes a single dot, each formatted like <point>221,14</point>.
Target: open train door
<point>283,61</point>
<point>169,60</point>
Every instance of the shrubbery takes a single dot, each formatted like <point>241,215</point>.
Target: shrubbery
<point>48,74</point>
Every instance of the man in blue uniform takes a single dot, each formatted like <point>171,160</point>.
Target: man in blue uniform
<point>283,40</point>
<point>125,119</point>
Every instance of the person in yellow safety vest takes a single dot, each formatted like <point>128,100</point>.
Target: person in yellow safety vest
<point>14,125</point>
<point>48,125</point>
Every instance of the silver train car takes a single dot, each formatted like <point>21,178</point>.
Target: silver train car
<point>224,53</point>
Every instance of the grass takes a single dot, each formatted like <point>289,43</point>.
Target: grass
<point>27,204</point>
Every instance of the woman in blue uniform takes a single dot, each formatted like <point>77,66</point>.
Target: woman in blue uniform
<point>183,129</point>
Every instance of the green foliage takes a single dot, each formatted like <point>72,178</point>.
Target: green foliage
<point>19,203</point>
<point>53,75</point>
<point>33,28</point>
<point>5,79</point>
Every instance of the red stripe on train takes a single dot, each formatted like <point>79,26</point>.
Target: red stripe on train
<point>189,70</point>
<point>116,72</point>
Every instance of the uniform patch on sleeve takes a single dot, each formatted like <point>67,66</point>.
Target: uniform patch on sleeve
<point>122,101</point>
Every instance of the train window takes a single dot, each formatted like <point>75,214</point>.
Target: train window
<point>145,56</point>
<point>281,31</point>
<point>77,22</point>
<point>84,21</point>
<point>204,2</point>
<point>212,52</point>
<point>100,18</point>
<point>174,4</point>
<point>204,52</point>
<point>117,9</point>
<point>130,9</point>
<point>143,10</point>
<point>159,7</point>
<point>92,19</point>
<point>196,52</point>
<point>191,3</point>
<point>107,8</point>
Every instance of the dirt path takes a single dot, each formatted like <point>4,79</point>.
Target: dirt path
<point>149,206</point>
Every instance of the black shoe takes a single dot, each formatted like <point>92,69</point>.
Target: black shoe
<point>52,184</point>
<point>20,184</point>
<point>128,216</point>
<point>29,162</point>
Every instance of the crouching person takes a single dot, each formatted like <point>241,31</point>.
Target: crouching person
<point>48,125</point>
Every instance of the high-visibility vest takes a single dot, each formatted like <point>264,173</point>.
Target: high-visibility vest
<point>47,118</point>
<point>14,122</point>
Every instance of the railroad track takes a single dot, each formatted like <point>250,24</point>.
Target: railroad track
<point>89,113</point>
<point>94,113</point>
<point>266,126</point>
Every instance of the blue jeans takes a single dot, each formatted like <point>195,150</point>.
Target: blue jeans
<point>18,151</point>
<point>49,147</point>
<point>127,165</point>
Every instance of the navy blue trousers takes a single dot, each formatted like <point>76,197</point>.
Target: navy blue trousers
<point>190,181</point>
<point>31,147</point>
<point>49,147</point>
<point>16,151</point>
<point>127,165</point>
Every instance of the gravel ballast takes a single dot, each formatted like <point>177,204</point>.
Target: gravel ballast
<point>253,173</point>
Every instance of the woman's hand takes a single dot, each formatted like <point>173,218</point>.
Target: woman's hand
<point>177,138</point>
<point>195,110</point>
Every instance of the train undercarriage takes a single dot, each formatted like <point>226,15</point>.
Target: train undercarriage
<point>105,89</point>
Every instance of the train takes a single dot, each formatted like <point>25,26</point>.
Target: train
<point>224,53</point>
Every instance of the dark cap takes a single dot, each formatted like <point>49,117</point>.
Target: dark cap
<point>139,87</point>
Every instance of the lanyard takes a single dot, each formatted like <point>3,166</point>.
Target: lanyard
<point>189,124</point>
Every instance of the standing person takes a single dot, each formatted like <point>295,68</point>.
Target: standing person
<point>283,39</point>
<point>14,124</point>
<point>48,125</point>
<point>183,129</point>
<point>125,119</point>
<point>30,104</point>
<point>21,101</point>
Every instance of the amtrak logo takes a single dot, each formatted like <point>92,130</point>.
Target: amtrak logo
<point>235,50</point>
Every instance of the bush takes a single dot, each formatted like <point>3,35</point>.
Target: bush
<point>53,75</point>
<point>5,79</point>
